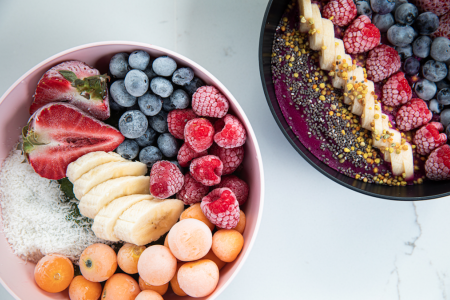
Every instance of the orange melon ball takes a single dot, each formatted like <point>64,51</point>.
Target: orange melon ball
<point>198,278</point>
<point>227,244</point>
<point>53,273</point>
<point>195,212</point>
<point>98,262</point>
<point>175,285</point>
<point>120,287</point>
<point>149,295</point>
<point>189,239</point>
<point>82,289</point>
<point>211,256</point>
<point>157,265</point>
<point>240,227</point>
<point>128,257</point>
<point>162,289</point>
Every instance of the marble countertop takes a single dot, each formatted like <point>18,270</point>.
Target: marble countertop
<point>318,240</point>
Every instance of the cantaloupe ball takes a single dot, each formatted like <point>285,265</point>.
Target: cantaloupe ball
<point>98,262</point>
<point>198,278</point>
<point>120,287</point>
<point>128,257</point>
<point>175,285</point>
<point>149,295</point>
<point>190,239</point>
<point>240,227</point>
<point>211,256</point>
<point>227,244</point>
<point>160,289</point>
<point>82,289</point>
<point>195,212</point>
<point>157,265</point>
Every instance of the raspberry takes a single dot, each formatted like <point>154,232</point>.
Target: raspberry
<point>199,134</point>
<point>428,138</point>
<point>439,7</point>
<point>444,27</point>
<point>413,114</point>
<point>221,208</point>
<point>238,186</point>
<point>396,90</point>
<point>230,132</point>
<point>361,36</point>
<point>231,158</point>
<point>207,170</point>
<point>177,119</point>
<point>192,190</point>
<point>437,165</point>
<point>382,62</point>
<point>165,179</point>
<point>186,154</point>
<point>342,11</point>
<point>209,102</point>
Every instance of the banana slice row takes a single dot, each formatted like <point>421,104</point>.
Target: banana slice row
<point>358,92</point>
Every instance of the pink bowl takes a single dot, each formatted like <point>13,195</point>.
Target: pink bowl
<point>16,275</point>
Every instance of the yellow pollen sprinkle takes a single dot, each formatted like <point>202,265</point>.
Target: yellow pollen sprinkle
<point>321,97</point>
<point>302,19</point>
<point>346,150</point>
<point>324,47</point>
<point>376,116</point>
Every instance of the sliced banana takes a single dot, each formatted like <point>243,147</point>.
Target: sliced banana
<point>377,135</point>
<point>408,162</point>
<point>102,194</point>
<point>328,51</point>
<point>316,38</point>
<point>147,220</point>
<point>367,116</point>
<point>397,162</point>
<point>306,13</point>
<point>395,138</point>
<point>356,76</point>
<point>338,81</point>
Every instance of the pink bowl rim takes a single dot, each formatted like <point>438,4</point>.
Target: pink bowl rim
<point>216,81</point>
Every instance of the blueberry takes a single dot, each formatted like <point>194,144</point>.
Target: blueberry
<point>168,145</point>
<point>164,66</point>
<point>398,3</point>
<point>176,163</point>
<point>133,124</point>
<point>159,122</point>
<point>440,49</point>
<point>150,73</point>
<point>422,46</point>
<point>134,107</point>
<point>183,76</point>
<point>192,86</point>
<point>447,131</point>
<point>400,35</point>
<point>114,106</point>
<point>139,60</point>
<point>382,7</point>
<point>149,155</point>
<point>404,52</point>
<point>445,118</point>
<point>178,100</point>
<point>434,70</point>
<point>120,95</point>
<point>147,139</point>
<point>443,84</point>
<point>150,104</point>
<point>118,65</point>
<point>383,22</point>
<point>136,83</point>
<point>425,89</point>
<point>443,97</point>
<point>129,149</point>
<point>435,106</point>
<point>363,8</point>
<point>161,86</point>
<point>426,23</point>
<point>411,66</point>
<point>406,14</point>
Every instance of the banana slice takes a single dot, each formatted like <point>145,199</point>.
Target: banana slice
<point>328,52</point>
<point>378,127</point>
<point>408,162</point>
<point>367,116</point>
<point>338,81</point>
<point>99,196</point>
<point>106,219</point>
<point>316,39</point>
<point>147,220</point>
<point>356,76</point>
<point>89,161</point>
<point>306,12</point>
<point>106,172</point>
<point>395,138</point>
<point>397,165</point>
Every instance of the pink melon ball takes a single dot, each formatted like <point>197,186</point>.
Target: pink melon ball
<point>157,265</point>
<point>198,278</point>
<point>149,295</point>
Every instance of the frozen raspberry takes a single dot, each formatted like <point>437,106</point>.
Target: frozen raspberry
<point>209,102</point>
<point>207,170</point>
<point>396,90</point>
<point>177,119</point>
<point>199,134</point>
<point>341,12</point>
<point>439,7</point>
<point>192,190</point>
<point>238,186</point>
<point>413,114</point>
<point>382,62</point>
<point>231,158</point>
<point>437,165</point>
<point>444,27</point>
<point>186,154</point>
<point>429,138</point>
<point>361,36</point>
<point>165,179</point>
<point>230,132</point>
<point>221,208</point>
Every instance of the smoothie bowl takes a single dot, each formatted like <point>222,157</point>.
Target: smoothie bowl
<point>160,157</point>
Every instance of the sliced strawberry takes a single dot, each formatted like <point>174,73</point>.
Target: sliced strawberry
<point>77,83</point>
<point>59,133</point>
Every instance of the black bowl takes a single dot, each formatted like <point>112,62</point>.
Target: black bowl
<point>427,190</point>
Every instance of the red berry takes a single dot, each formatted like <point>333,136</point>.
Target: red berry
<point>413,114</point>
<point>437,165</point>
<point>429,138</point>
<point>444,27</point>
<point>207,170</point>
<point>199,134</point>
<point>361,36</point>
<point>231,158</point>
<point>177,119</point>
<point>209,102</point>
<point>382,62</point>
<point>396,90</point>
<point>230,132</point>
<point>165,179</point>
<point>192,190</point>
<point>221,208</point>
<point>238,186</point>
<point>186,154</point>
<point>438,7</point>
<point>342,11</point>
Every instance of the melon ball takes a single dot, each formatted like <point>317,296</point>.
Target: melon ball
<point>149,295</point>
<point>198,278</point>
<point>157,265</point>
<point>227,244</point>
<point>175,285</point>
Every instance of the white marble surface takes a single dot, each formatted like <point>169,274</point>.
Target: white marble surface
<point>314,242</point>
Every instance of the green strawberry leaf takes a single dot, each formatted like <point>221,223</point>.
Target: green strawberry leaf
<point>68,75</point>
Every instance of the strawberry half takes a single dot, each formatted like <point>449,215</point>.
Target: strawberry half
<point>77,83</point>
<point>59,133</point>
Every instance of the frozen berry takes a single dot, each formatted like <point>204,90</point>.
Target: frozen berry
<point>382,62</point>
<point>209,102</point>
<point>230,133</point>
<point>439,7</point>
<point>118,66</point>
<point>164,66</point>
<point>168,145</point>
<point>435,106</point>
<point>434,70</point>
<point>429,137</point>
<point>159,122</point>
<point>422,46</point>
<point>150,155</point>
<point>382,7</point>
<point>363,8</point>
<point>437,165</point>
<point>383,22</point>
<point>340,12</point>
<point>442,84</point>
<point>161,87</point>
<point>150,73</point>
<point>444,27</point>
<point>120,95</point>
<point>443,96</point>
<point>361,36</point>
<point>177,120</point>
<point>186,154</point>
<point>178,100</point>
<point>396,91</point>
<point>238,186</point>
<point>129,149</point>
<point>425,89</point>
<point>411,66</point>
<point>176,163</point>
<point>147,139</point>
<point>199,134</point>
<point>221,208</point>
<point>133,124</point>
<point>426,23</point>
<point>401,35</point>
<point>139,60</point>
<point>231,158</point>
<point>192,190</point>
<point>406,14</point>
<point>440,49</point>
<point>193,85</point>
<point>150,104</point>
<point>445,117</point>
<point>413,115</point>
<point>136,83</point>
<point>207,170</point>
<point>183,76</point>
<point>404,52</point>
<point>165,179</point>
